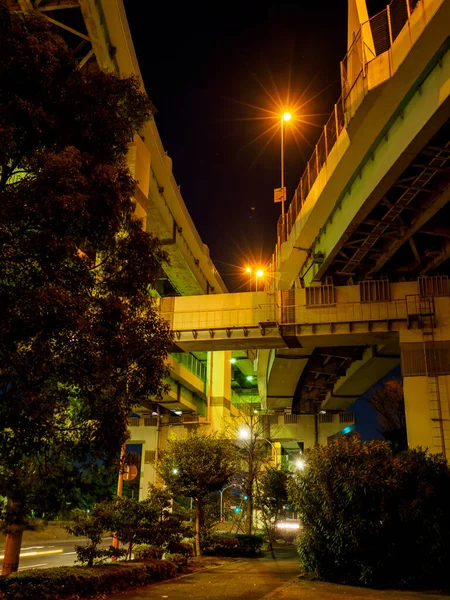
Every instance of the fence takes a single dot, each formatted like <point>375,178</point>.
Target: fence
<point>191,363</point>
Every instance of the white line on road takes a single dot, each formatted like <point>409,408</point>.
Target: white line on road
<point>34,566</point>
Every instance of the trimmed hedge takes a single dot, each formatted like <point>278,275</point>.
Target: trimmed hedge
<point>179,560</point>
<point>237,545</point>
<point>147,552</point>
<point>81,582</point>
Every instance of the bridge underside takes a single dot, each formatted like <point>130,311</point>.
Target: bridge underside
<point>406,234</point>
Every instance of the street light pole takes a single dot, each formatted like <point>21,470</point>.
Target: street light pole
<point>285,117</point>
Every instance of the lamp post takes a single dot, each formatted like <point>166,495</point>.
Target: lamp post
<point>286,117</point>
<point>231,485</point>
<point>257,273</point>
<point>245,434</point>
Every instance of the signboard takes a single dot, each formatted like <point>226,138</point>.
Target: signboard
<point>130,472</point>
<point>279,195</point>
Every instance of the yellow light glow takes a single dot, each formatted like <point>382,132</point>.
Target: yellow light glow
<point>287,116</point>
<point>259,273</point>
<point>248,270</point>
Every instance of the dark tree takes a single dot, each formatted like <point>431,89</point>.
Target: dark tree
<point>80,336</point>
<point>389,403</point>
<point>373,517</point>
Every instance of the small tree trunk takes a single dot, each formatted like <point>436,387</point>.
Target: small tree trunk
<point>249,514</point>
<point>198,520</point>
<point>12,549</point>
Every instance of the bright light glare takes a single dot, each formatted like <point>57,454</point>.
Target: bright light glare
<point>244,433</point>
<point>287,525</point>
<point>300,464</point>
<point>175,471</point>
<point>248,270</point>
<point>249,377</point>
<point>259,273</point>
<point>232,361</point>
<point>287,116</point>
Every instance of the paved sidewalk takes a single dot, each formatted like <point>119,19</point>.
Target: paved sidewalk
<point>302,589</point>
<point>260,578</point>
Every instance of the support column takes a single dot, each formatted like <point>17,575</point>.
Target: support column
<point>425,359</point>
<point>219,388</point>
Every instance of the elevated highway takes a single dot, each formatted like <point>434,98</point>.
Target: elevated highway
<point>359,273</point>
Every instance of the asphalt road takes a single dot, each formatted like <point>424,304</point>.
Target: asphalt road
<point>42,555</point>
<point>243,579</point>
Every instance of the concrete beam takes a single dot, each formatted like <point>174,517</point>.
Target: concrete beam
<point>362,375</point>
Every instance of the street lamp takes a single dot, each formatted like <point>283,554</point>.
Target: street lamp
<point>231,485</point>
<point>244,433</point>
<point>286,117</point>
<point>258,273</point>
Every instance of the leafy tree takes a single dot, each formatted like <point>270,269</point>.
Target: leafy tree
<point>196,465</point>
<point>272,496</point>
<point>372,516</point>
<point>94,525</point>
<point>254,453</point>
<point>80,335</point>
<point>148,521</point>
<point>389,403</point>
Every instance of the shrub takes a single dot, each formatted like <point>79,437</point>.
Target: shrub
<point>159,570</point>
<point>185,548</point>
<point>147,552</point>
<point>372,517</point>
<point>179,560</point>
<point>221,545</point>
<point>76,582</point>
<point>249,545</point>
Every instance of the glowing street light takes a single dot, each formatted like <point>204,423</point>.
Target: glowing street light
<point>286,117</point>
<point>258,273</point>
<point>300,464</point>
<point>244,433</point>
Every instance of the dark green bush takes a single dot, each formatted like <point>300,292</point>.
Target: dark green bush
<point>234,545</point>
<point>179,560</point>
<point>372,517</point>
<point>76,582</point>
<point>147,552</point>
<point>249,545</point>
<point>185,548</point>
<point>221,545</point>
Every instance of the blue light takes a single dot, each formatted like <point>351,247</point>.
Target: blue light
<point>347,429</point>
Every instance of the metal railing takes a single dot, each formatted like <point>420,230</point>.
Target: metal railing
<point>192,364</point>
<point>383,29</point>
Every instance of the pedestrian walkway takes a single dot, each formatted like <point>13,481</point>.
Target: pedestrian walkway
<point>237,579</point>
<point>261,578</point>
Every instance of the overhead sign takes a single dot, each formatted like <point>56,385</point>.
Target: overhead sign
<point>279,195</point>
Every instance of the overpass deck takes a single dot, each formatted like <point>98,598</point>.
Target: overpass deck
<point>265,320</point>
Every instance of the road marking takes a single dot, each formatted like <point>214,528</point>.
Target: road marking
<point>67,553</point>
<point>34,566</point>
<point>28,554</point>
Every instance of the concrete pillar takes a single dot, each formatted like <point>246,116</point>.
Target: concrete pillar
<point>425,359</point>
<point>219,388</point>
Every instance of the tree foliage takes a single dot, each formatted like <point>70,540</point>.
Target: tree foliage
<point>389,403</point>
<point>196,465</point>
<point>374,517</point>
<point>80,335</point>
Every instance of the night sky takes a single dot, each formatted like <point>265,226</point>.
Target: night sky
<point>219,75</point>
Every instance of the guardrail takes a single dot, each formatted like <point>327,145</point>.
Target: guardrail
<point>191,363</point>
